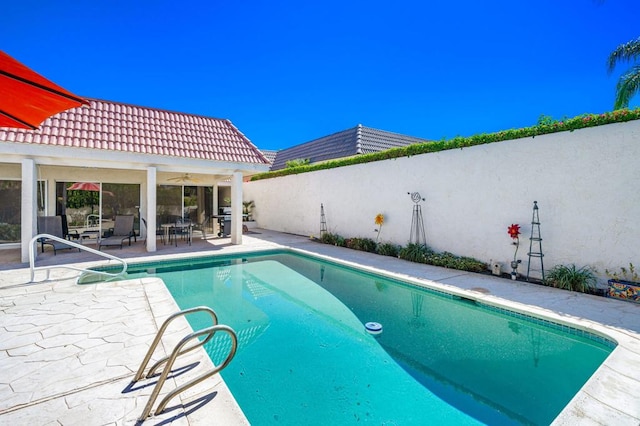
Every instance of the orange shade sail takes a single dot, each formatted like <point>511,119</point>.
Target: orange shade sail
<point>27,98</point>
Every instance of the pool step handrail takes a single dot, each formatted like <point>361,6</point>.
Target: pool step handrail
<point>178,350</point>
<point>32,258</point>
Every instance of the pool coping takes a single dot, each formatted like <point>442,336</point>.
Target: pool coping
<point>606,398</point>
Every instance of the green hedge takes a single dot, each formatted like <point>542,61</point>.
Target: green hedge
<point>412,252</point>
<point>542,128</point>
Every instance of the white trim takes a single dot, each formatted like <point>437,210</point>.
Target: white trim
<point>105,159</point>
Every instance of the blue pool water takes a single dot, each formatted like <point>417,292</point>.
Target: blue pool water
<point>304,355</point>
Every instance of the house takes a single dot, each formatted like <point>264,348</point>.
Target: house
<point>269,154</point>
<point>347,143</point>
<point>147,162</point>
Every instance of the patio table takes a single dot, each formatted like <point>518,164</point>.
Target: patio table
<point>167,227</point>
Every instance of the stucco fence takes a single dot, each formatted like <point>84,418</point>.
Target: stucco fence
<point>585,183</point>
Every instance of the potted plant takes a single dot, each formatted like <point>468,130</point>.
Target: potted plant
<point>247,214</point>
<point>624,284</point>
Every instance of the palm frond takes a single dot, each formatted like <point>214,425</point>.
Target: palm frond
<point>628,86</point>
<point>625,52</point>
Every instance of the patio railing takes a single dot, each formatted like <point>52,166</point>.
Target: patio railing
<point>48,268</point>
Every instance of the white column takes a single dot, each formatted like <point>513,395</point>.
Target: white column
<point>236,208</point>
<point>29,206</point>
<point>216,202</point>
<point>151,208</point>
<point>216,210</point>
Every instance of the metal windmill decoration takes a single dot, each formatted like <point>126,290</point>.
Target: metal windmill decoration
<point>323,221</point>
<point>417,223</point>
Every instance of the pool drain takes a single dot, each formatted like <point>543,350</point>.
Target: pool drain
<point>373,327</point>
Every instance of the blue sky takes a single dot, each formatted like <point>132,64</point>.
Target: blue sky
<point>288,72</point>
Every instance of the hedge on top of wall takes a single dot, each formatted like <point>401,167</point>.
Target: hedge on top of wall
<point>542,128</point>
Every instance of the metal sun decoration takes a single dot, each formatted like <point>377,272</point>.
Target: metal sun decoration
<point>514,233</point>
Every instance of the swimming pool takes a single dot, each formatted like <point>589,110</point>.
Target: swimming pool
<point>304,355</point>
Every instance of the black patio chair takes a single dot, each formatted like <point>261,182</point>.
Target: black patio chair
<point>52,225</point>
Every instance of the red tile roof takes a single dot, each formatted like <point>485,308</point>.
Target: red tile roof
<point>112,126</point>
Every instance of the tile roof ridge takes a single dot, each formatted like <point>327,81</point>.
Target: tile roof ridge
<point>168,111</point>
<point>404,135</point>
<point>359,139</point>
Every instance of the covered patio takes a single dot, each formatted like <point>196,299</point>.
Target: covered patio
<point>159,166</point>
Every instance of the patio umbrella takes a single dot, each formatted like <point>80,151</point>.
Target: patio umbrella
<point>88,186</point>
<point>27,98</point>
<point>84,186</point>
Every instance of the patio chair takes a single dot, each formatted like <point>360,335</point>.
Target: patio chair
<point>52,225</point>
<point>122,230</point>
<point>202,227</point>
<point>68,235</point>
<point>159,231</point>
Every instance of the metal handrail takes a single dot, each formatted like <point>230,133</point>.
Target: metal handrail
<point>209,331</point>
<point>160,333</point>
<point>177,351</point>
<point>32,258</point>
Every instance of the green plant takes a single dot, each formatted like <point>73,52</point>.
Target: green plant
<point>388,249</point>
<point>333,239</point>
<point>247,209</point>
<point>624,274</point>
<point>9,232</point>
<point>297,163</point>
<point>414,253</point>
<point>569,277</point>
<point>629,82</point>
<point>362,244</point>
<point>328,238</point>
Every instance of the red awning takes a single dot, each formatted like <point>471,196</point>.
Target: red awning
<point>27,98</point>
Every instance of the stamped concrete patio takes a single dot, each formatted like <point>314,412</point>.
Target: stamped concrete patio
<point>68,352</point>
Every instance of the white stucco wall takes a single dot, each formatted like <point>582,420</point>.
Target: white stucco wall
<point>585,183</point>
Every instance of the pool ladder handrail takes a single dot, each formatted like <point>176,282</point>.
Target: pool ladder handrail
<point>32,258</point>
<point>177,351</point>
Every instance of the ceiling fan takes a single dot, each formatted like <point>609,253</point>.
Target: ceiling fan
<point>186,177</point>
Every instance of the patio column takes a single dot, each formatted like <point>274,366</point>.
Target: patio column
<point>151,208</point>
<point>29,206</point>
<point>236,208</point>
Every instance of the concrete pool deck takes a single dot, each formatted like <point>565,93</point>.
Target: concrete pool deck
<point>68,352</point>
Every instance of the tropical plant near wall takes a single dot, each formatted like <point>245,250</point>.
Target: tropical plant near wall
<point>569,277</point>
<point>624,274</point>
<point>247,209</point>
<point>388,249</point>
<point>629,82</point>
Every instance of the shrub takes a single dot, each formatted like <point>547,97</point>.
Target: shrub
<point>9,232</point>
<point>414,253</point>
<point>329,238</point>
<point>451,261</point>
<point>362,244</point>
<point>571,278</point>
<point>388,249</point>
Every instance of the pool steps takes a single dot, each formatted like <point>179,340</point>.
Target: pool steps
<point>179,350</point>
